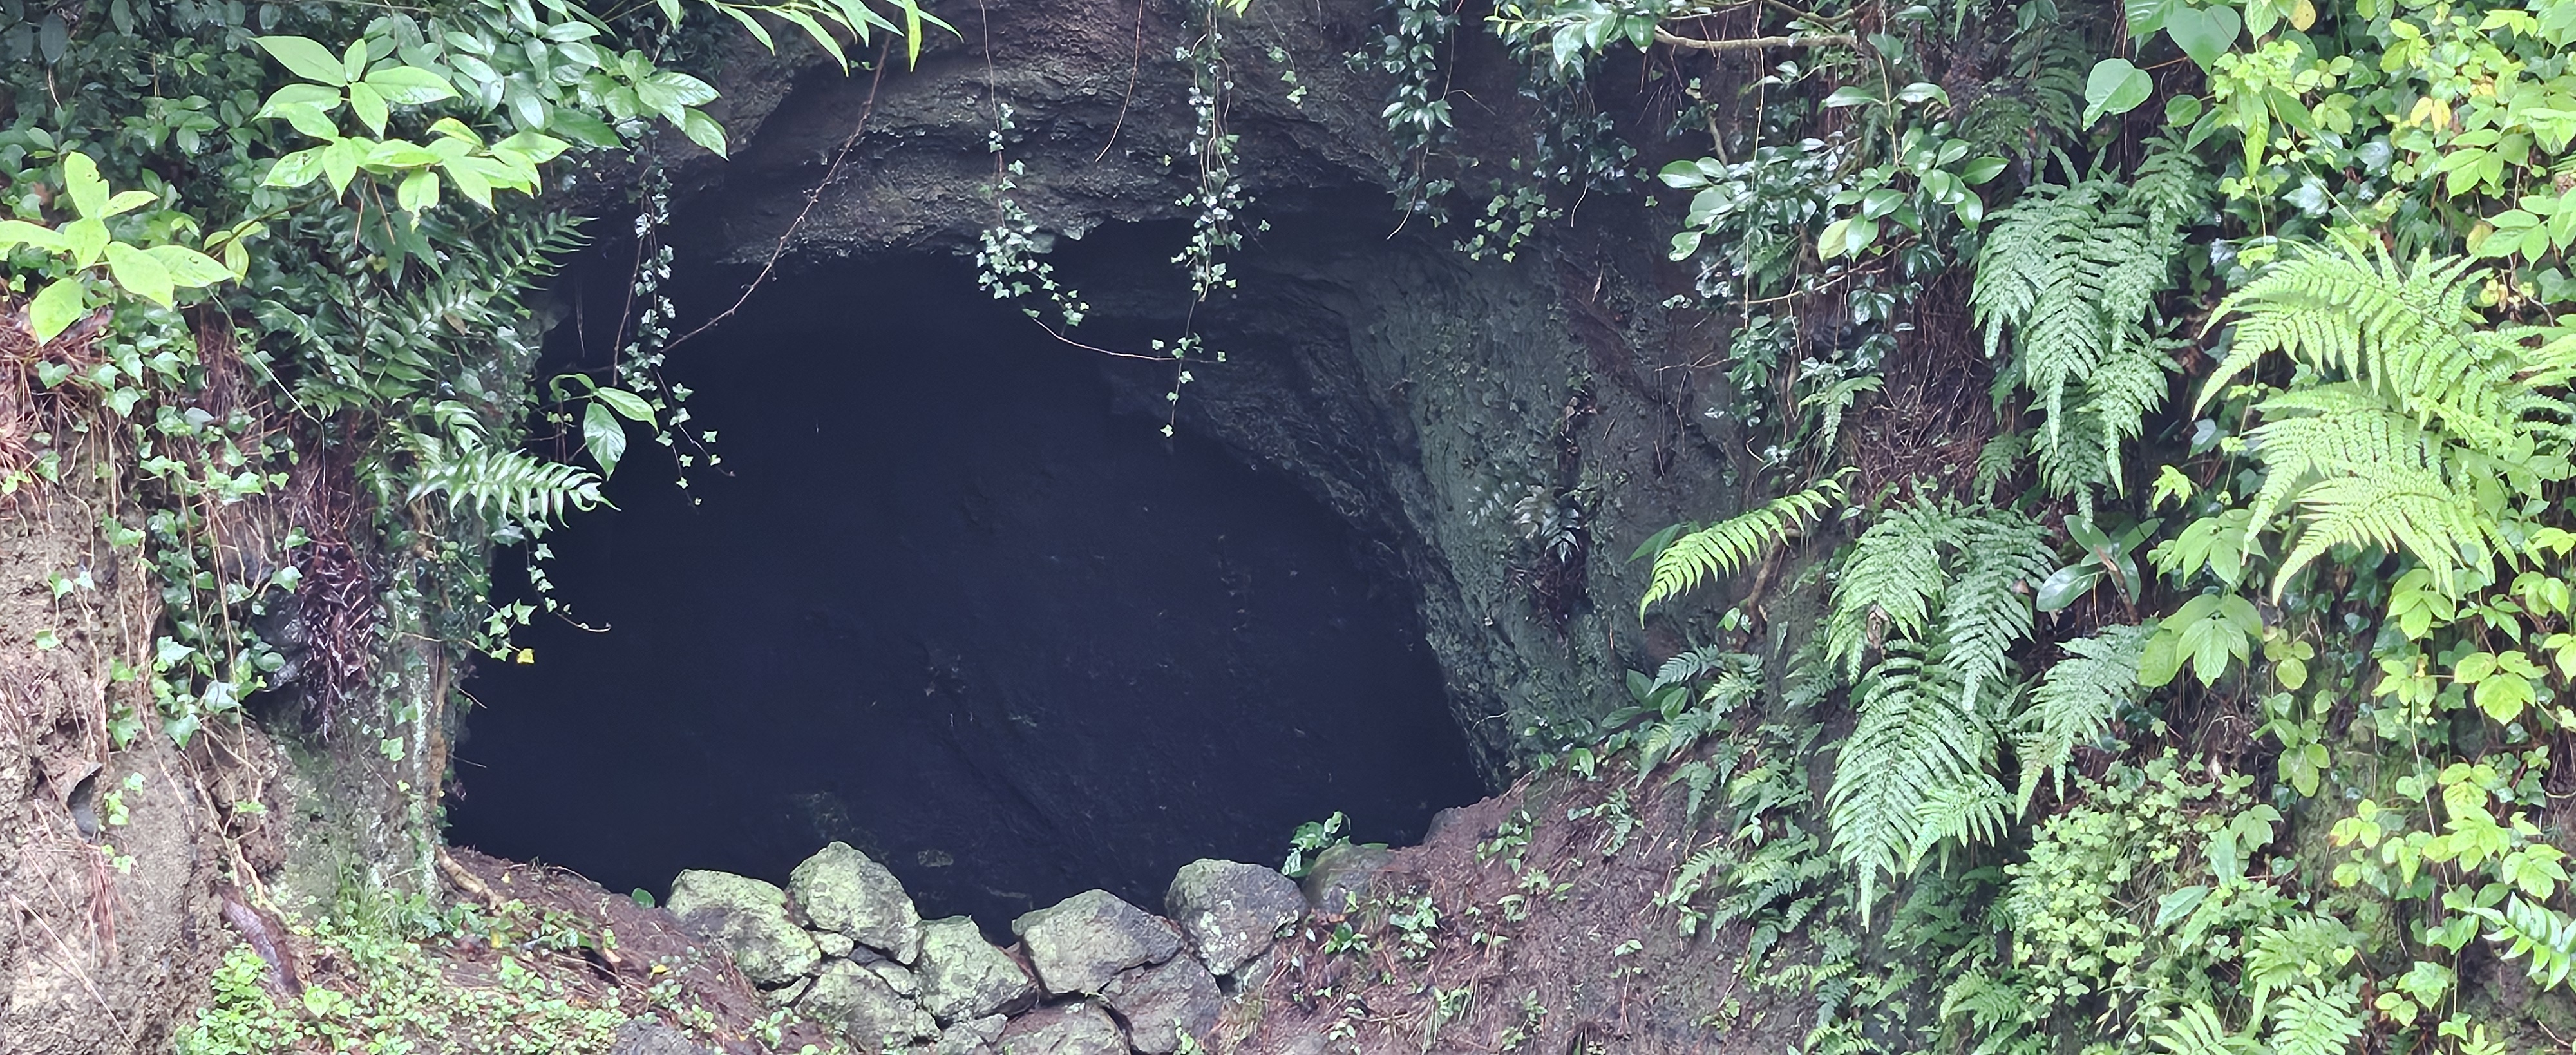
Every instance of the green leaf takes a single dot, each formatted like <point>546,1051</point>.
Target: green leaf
<point>56,308</point>
<point>128,201</point>
<point>2171,908</point>
<point>418,192</point>
<point>353,61</point>
<point>605,437</point>
<point>631,406</point>
<point>670,10</point>
<point>296,169</point>
<point>340,163</point>
<point>2146,16</point>
<point>2204,33</point>
<point>190,268</point>
<point>14,233</point>
<point>666,93</point>
<point>585,129</point>
<point>370,108</point>
<point>410,85</point>
<point>85,240</point>
<point>2065,585</point>
<point>82,182</point>
<point>139,273</point>
<point>537,146</point>
<point>305,58</point>
<point>1982,169</point>
<point>1850,95</point>
<point>703,130</point>
<point>2115,87</point>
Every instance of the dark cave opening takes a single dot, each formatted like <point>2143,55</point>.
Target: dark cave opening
<point>944,603</point>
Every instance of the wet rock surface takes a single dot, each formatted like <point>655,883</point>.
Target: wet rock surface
<point>749,918</point>
<point>842,890</point>
<point>1164,1002</point>
<point>1081,943</point>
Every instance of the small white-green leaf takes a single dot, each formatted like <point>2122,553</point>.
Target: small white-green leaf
<point>305,58</point>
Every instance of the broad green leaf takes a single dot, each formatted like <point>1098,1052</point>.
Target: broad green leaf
<point>585,129</point>
<point>305,58</point>
<point>340,163</point>
<point>2204,33</point>
<point>2146,16</point>
<point>1850,95</point>
<point>311,120</point>
<point>1830,243</point>
<point>666,91</point>
<point>1982,169</point>
<point>822,37</point>
<point>631,406</point>
<point>188,267</point>
<point>56,308</point>
<point>537,146</point>
<point>82,182</point>
<point>418,192</point>
<point>2171,908</point>
<point>469,181</point>
<point>410,86</point>
<point>353,62</point>
<point>128,201</point>
<point>605,437</point>
<point>370,108</point>
<point>1921,91</point>
<point>14,233</point>
<point>2115,87</point>
<point>2292,672</point>
<point>670,10</point>
<point>296,169</point>
<point>85,241</point>
<point>323,96</point>
<point>2065,585</point>
<point>703,130</point>
<point>139,273</point>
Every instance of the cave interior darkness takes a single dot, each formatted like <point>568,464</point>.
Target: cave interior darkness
<point>945,602</point>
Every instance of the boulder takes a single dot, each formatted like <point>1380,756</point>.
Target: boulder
<point>1078,1028</point>
<point>859,1003</point>
<point>833,943</point>
<point>746,918</point>
<point>647,1037</point>
<point>979,1036</point>
<point>1077,945</point>
<point>895,977</point>
<point>1231,910</point>
<point>1341,873</point>
<point>1164,1001</point>
<point>965,977</point>
<point>841,890</point>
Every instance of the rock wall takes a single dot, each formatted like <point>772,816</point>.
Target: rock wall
<point>1418,393</point>
<point>1092,975</point>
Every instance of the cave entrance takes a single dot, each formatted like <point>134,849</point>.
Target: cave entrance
<point>944,604</point>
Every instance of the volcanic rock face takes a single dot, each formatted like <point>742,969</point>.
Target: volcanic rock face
<point>1109,977</point>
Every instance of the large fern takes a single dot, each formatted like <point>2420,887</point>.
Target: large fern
<point>2075,702</point>
<point>2413,426</point>
<point>1726,547</point>
<point>2070,276</point>
<point>1940,594</point>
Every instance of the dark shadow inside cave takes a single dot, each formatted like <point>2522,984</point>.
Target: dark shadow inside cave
<point>943,604</point>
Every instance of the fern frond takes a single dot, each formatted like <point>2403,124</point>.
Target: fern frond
<point>2076,701</point>
<point>1913,744</point>
<point>1966,812</point>
<point>1726,547</point>
<point>2527,928</point>
<point>2199,1031</point>
<point>506,485</point>
<point>2315,1020</point>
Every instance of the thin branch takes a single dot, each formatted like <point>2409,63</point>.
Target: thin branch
<point>1757,43</point>
<point>811,198</point>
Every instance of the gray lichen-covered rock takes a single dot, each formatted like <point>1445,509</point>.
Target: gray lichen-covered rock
<point>1341,872</point>
<point>748,919</point>
<point>833,943</point>
<point>1162,1002</point>
<point>1231,910</point>
<point>644,1037</point>
<point>1079,1028</point>
<point>785,994</point>
<point>977,1036</point>
<point>1077,945</point>
<point>841,890</point>
<point>965,977</point>
<point>859,1003</point>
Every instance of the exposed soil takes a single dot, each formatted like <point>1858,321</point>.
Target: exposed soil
<point>1598,966</point>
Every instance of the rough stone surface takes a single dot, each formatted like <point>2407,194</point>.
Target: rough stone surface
<point>1164,1001</point>
<point>1077,945</point>
<point>895,977</point>
<point>1078,1028</point>
<point>748,919</point>
<point>841,890</point>
<point>965,977</point>
<point>1340,873</point>
<point>859,1003</point>
<point>833,943</point>
<point>1231,910</point>
<point>972,1037</point>
<point>643,1037</point>
<point>785,994</point>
